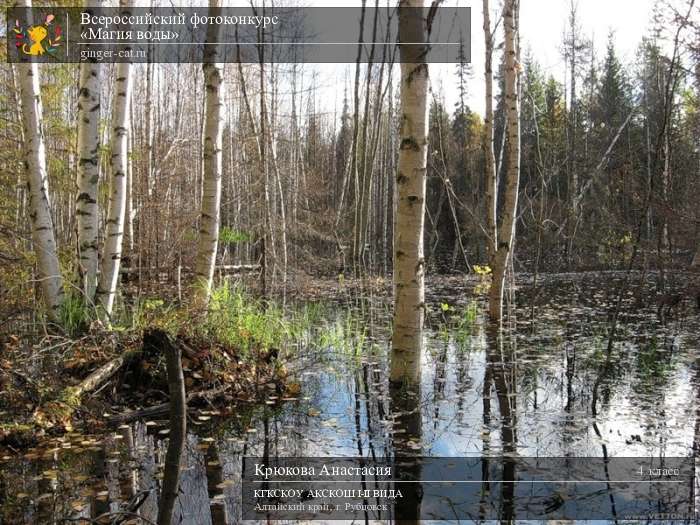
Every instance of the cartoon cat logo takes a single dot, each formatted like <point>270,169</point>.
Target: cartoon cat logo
<point>36,34</point>
<point>35,40</point>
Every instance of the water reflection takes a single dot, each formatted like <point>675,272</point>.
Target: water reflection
<point>407,432</point>
<point>503,365</point>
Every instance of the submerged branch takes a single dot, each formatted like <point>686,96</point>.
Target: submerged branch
<point>178,423</point>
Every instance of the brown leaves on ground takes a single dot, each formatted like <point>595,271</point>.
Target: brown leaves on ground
<point>39,401</point>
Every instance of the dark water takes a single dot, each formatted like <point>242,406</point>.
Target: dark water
<point>551,390</point>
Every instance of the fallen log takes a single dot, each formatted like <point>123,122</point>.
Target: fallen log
<point>162,408</point>
<point>60,411</point>
<point>186,269</point>
<point>100,375</point>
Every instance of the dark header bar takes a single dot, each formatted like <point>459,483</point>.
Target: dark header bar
<point>502,488</point>
<point>275,35</point>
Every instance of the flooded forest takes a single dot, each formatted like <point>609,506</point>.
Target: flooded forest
<point>488,260</point>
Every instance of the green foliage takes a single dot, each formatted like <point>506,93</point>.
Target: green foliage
<point>234,319</point>
<point>346,335</point>
<point>305,319</point>
<point>484,285</point>
<point>613,98</point>
<point>482,270</point>
<point>230,236</point>
<point>615,249</point>
<point>654,365</point>
<point>75,314</point>
<point>238,320</point>
<point>456,324</point>
<point>154,312</point>
<point>466,323</point>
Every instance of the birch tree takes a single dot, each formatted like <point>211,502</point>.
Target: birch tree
<point>112,253</point>
<point>43,236</point>
<point>211,165</point>
<point>506,231</point>
<point>409,294</point>
<point>487,145</point>
<point>88,175</point>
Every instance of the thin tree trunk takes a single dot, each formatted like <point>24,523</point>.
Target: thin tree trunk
<point>487,145</point>
<point>43,235</point>
<point>20,190</point>
<point>268,227</point>
<point>86,207</point>
<point>409,293</point>
<point>130,206</point>
<point>573,126</point>
<point>111,257</point>
<point>361,210</point>
<point>506,233</point>
<point>354,150</point>
<point>663,245</point>
<point>283,212</point>
<point>647,137</point>
<point>212,165</point>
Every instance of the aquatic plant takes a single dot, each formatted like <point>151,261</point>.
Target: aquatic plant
<point>484,273</point>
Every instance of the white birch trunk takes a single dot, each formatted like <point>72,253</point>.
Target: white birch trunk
<point>211,165</point>
<point>130,211</point>
<point>487,145</point>
<point>38,186</point>
<point>506,233</point>
<point>409,294</point>
<point>112,253</point>
<point>88,175</point>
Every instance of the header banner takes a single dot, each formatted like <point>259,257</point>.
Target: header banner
<point>248,35</point>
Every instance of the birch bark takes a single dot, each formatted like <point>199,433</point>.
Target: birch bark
<point>88,176</point>
<point>211,165</point>
<point>112,253</point>
<point>43,236</point>
<point>487,145</point>
<point>506,232</point>
<point>409,293</point>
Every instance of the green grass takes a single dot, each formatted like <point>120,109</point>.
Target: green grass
<point>234,318</point>
<point>229,236</point>
<point>74,314</point>
<point>346,335</point>
<point>238,320</point>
